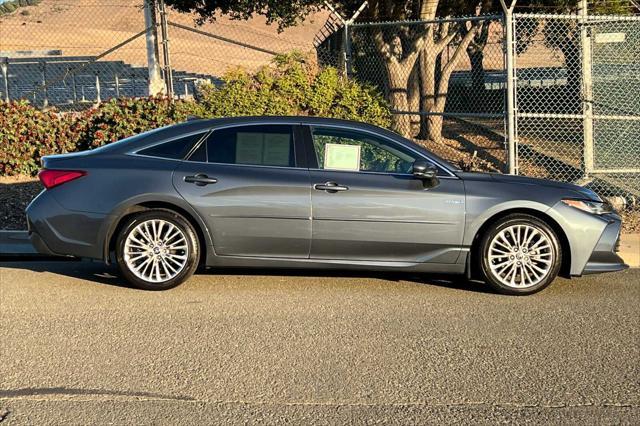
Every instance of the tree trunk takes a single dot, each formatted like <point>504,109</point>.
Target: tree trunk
<point>434,132</point>
<point>435,82</point>
<point>427,64</point>
<point>476,57</point>
<point>413,96</point>
<point>475,52</point>
<point>398,83</point>
<point>573,64</point>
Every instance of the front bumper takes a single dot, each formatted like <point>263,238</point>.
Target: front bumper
<point>604,257</point>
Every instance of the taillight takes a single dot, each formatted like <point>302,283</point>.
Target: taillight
<point>52,178</point>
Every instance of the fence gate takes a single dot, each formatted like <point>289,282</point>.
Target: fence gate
<point>577,110</point>
<point>615,74</point>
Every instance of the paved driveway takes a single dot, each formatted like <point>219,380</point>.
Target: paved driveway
<point>79,348</point>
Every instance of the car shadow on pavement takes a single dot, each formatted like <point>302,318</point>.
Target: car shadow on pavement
<point>100,273</point>
<point>455,282</point>
<point>96,272</point>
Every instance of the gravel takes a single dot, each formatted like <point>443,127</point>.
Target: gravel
<point>15,195</point>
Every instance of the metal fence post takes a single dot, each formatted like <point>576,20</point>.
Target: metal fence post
<point>347,50</point>
<point>5,77</point>
<point>45,100</point>
<point>346,37</point>
<point>156,85</point>
<point>587,88</point>
<point>98,95</point>
<point>511,86</point>
<point>75,86</point>
<point>168,74</point>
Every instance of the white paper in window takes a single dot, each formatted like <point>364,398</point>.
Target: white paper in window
<point>342,157</point>
<point>276,149</point>
<point>249,148</point>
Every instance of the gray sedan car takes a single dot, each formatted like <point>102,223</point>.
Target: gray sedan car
<point>301,192</point>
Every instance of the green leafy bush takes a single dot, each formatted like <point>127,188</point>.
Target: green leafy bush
<point>293,86</point>
<point>11,6</point>
<point>290,86</point>
<point>120,118</point>
<point>26,134</point>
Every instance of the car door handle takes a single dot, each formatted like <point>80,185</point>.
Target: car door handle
<point>330,187</point>
<point>200,179</point>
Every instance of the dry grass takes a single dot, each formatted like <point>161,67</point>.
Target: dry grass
<point>90,27</point>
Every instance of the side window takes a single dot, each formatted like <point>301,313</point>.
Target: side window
<point>338,149</point>
<point>200,154</point>
<point>175,149</point>
<point>262,145</point>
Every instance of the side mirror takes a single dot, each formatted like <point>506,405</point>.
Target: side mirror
<point>422,169</point>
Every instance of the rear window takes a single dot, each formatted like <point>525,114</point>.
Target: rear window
<point>175,149</point>
<point>262,145</point>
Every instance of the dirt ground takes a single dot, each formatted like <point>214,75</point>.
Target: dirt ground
<point>17,192</point>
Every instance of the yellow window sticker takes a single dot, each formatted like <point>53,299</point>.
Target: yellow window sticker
<point>342,157</point>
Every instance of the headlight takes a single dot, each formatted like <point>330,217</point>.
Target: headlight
<point>590,206</point>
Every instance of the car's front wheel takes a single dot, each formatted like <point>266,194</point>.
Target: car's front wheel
<point>520,255</point>
<point>157,249</point>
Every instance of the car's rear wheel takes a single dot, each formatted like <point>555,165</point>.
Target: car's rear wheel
<point>157,249</point>
<point>520,254</point>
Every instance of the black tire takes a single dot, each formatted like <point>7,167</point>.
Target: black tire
<point>192,251</point>
<point>555,252</point>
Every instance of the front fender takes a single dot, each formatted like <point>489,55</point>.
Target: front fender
<point>583,231</point>
<point>475,221</point>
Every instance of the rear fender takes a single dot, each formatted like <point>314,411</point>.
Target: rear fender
<point>137,204</point>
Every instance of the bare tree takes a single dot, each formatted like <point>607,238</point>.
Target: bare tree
<point>435,71</point>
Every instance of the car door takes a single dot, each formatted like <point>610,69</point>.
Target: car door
<point>245,183</point>
<point>367,205</point>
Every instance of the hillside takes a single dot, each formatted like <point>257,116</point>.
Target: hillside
<point>90,27</point>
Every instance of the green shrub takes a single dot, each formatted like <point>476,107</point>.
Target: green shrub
<point>120,118</point>
<point>10,7</point>
<point>27,134</point>
<point>292,86</point>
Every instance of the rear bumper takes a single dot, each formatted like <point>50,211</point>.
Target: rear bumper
<point>54,230</point>
<point>38,243</point>
<point>604,257</point>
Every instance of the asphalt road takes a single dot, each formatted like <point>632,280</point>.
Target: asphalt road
<point>80,348</point>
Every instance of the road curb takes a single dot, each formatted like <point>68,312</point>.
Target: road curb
<point>630,249</point>
<point>16,246</point>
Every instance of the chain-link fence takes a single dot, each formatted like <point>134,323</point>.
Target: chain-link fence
<point>574,120</point>
<point>444,80</point>
<point>578,113</point>
<point>75,53</point>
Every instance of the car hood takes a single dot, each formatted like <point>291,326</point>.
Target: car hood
<point>572,189</point>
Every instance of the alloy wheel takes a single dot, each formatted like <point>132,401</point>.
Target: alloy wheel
<point>156,250</point>
<point>521,256</point>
